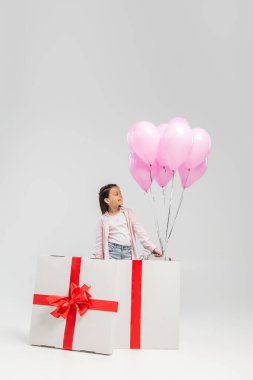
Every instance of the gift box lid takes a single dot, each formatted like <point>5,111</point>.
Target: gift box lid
<point>74,304</point>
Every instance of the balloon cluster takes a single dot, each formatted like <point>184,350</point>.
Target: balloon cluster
<point>158,152</point>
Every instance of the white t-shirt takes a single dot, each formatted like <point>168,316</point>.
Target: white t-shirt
<point>118,229</point>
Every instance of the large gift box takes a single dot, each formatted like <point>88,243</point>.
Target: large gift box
<point>149,304</point>
<point>97,305</point>
<point>74,304</point>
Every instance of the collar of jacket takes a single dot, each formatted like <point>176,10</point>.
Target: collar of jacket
<point>122,208</point>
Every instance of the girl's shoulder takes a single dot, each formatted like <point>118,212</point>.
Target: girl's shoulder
<point>128,211</point>
<point>124,209</point>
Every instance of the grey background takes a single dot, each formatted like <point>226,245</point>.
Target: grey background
<point>74,75</point>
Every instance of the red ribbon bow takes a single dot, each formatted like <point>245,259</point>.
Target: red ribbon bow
<point>79,299</point>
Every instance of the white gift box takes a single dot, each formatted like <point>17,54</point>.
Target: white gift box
<point>149,304</point>
<point>93,331</point>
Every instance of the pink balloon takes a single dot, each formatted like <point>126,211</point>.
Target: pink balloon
<point>162,174</point>
<point>194,174</point>
<point>145,141</point>
<point>200,148</point>
<point>140,171</point>
<point>129,137</point>
<point>175,143</point>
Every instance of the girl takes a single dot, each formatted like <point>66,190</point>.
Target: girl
<point>117,227</point>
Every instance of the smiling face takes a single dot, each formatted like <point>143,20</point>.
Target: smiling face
<point>115,199</point>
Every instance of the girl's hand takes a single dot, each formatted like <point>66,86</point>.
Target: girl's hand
<point>157,252</point>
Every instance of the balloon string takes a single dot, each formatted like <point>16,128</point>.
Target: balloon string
<point>164,218</point>
<point>178,208</point>
<point>163,213</point>
<point>154,212</point>
<point>170,204</point>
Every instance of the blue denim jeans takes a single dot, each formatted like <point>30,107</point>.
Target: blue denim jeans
<point>120,252</point>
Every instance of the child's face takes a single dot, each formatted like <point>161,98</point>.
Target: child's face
<point>115,197</point>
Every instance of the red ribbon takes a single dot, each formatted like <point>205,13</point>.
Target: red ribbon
<point>135,327</point>
<point>79,300</point>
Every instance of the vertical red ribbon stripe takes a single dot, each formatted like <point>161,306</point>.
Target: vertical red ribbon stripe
<point>100,305</point>
<point>71,318</point>
<point>135,327</point>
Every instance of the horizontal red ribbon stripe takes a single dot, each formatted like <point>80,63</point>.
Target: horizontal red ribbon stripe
<point>100,305</point>
<point>103,305</point>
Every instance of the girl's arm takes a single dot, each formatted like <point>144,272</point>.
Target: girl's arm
<point>99,242</point>
<point>141,233</point>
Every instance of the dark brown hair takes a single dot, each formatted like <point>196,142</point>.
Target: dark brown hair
<point>104,193</point>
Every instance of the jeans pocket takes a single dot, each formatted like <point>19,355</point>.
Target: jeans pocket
<point>127,254</point>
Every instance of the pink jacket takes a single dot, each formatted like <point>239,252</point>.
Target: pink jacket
<point>102,233</point>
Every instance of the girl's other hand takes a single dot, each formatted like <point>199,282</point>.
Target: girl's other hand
<point>157,252</point>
